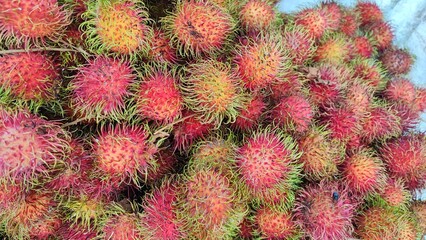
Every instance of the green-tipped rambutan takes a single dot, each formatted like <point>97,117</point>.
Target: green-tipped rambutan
<point>299,43</point>
<point>213,92</point>
<point>368,12</point>
<point>334,13</point>
<point>118,26</point>
<point>122,226</point>
<point>257,15</point>
<point>358,98</point>
<point>380,123</point>
<point>400,90</point>
<point>267,167</point>
<point>250,116</point>
<point>370,72</point>
<point>395,194</point>
<point>333,49</point>
<point>313,20</point>
<point>276,224</point>
<point>161,49</point>
<point>381,34</point>
<point>419,210</point>
<point>199,27</point>
<point>397,61</point>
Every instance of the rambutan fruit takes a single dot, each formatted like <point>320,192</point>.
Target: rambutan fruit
<point>159,220</point>
<point>400,90</point>
<point>75,232</point>
<point>213,92</point>
<point>405,158</point>
<point>187,131</point>
<point>333,49</point>
<point>342,123</point>
<point>158,97</point>
<point>419,210</point>
<point>30,147</point>
<point>300,44</point>
<point>313,20</point>
<point>368,12</point>
<point>198,27</point>
<point>119,26</point>
<point>420,101</point>
<point>275,224</point>
<point>247,228</point>
<point>397,61</point>
<point>122,226</point>
<point>370,72</point>
<point>395,194</point>
<point>100,89</point>
<point>358,98</point>
<point>292,85</point>
<point>408,116</point>
<point>257,15</point>
<point>18,77</point>
<point>363,47</point>
<point>267,167</point>
<point>166,164</point>
<point>10,195</point>
<point>334,14</point>
<point>349,23</point>
<point>124,154</point>
<point>294,113</point>
<point>321,155</point>
<point>325,211</point>
<point>161,49</point>
<point>250,116</point>
<point>209,206</point>
<point>262,62</point>
<point>381,123</point>
<point>381,34</point>
<point>364,172</point>
<point>32,21</point>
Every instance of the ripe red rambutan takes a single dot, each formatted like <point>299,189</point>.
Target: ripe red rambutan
<point>370,72</point>
<point>122,226</point>
<point>161,49</point>
<point>395,193</point>
<point>275,224</point>
<point>342,123</point>
<point>381,34</point>
<point>363,47</point>
<point>333,49</point>
<point>250,116</point>
<point>400,90</point>
<point>349,23</point>
<point>358,98</point>
<point>420,101</point>
<point>408,116</point>
<point>334,14</point>
<point>292,85</point>
<point>369,12</point>
<point>299,43</point>
<point>10,195</point>
<point>75,232</point>
<point>257,15</point>
<point>381,123</point>
<point>313,20</point>
<point>397,61</point>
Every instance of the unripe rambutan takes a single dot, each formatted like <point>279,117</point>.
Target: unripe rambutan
<point>349,23</point>
<point>320,154</point>
<point>370,72</point>
<point>262,62</point>
<point>100,89</point>
<point>117,25</point>
<point>198,27</point>
<point>334,14</point>
<point>381,123</point>
<point>299,43</point>
<point>333,49</point>
<point>397,61</point>
<point>369,12</point>
<point>400,90</point>
<point>31,21</point>
<point>313,20</point>
<point>213,92</point>
<point>395,193</point>
<point>364,172</point>
<point>123,152</point>
<point>275,224</point>
<point>122,226</point>
<point>363,47</point>
<point>257,15</point>
<point>158,97</point>
<point>381,34</point>
<point>342,123</point>
<point>161,49</point>
<point>267,167</point>
<point>250,116</point>
<point>30,147</point>
<point>405,158</point>
<point>419,210</point>
<point>325,211</point>
<point>17,75</point>
<point>293,113</point>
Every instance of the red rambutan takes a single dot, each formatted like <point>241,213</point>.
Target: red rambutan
<point>299,43</point>
<point>275,224</point>
<point>161,49</point>
<point>334,14</point>
<point>257,15</point>
<point>370,72</point>
<point>250,116</point>
<point>349,23</point>
<point>381,34</point>
<point>400,90</point>
<point>313,20</point>
<point>369,12</point>
<point>397,61</point>
<point>122,226</point>
<point>380,123</point>
<point>363,47</point>
<point>342,123</point>
<point>395,193</point>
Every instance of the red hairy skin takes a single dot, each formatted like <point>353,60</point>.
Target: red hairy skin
<point>250,116</point>
<point>397,61</point>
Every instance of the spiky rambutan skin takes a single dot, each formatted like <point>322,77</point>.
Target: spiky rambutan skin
<point>198,27</point>
<point>209,205</point>
<point>419,211</point>
<point>380,123</point>
<point>299,43</point>
<point>325,211</point>
<point>117,26</point>
<point>294,113</point>
<point>419,103</point>
<point>124,153</point>
<point>333,49</point>
<point>408,117</point>
<point>10,195</point>
<point>358,98</point>
<point>17,75</point>
<point>161,49</point>
<point>158,97</point>
<point>250,116</point>
<point>400,90</point>
<point>381,34</point>
<point>363,47</point>
<point>266,165</point>
<point>292,85</point>
<point>313,20</point>
<point>122,226</point>
<point>100,89</point>
<point>408,228</point>
<point>342,123</point>
<point>334,14</point>
<point>189,130</point>
<point>262,62</point>
<point>275,224</point>
<point>257,15</point>
<point>166,164</point>
<point>320,154</point>
<point>247,228</point>
<point>370,72</point>
<point>159,219</point>
<point>75,232</point>
<point>369,12</point>
<point>349,23</point>
<point>405,158</point>
<point>364,172</point>
<point>395,194</point>
<point>213,92</point>
<point>397,61</point>
<point>30,147</point>
<point>31,21</point>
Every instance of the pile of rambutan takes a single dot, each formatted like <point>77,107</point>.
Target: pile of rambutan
<point>207,119</point>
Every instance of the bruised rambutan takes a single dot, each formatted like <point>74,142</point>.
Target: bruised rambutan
<point>275,224</point>
<point>32,20</point>
<point>267,167</point>
<point>100,89</point>
<point>198,27</point>
<point>122,226</point>
<point>118,26</point>
<point>158,97</point>
<point>400,90</point>
<point>257,15</point>
<point>363,47</point>
<point>333,49</point>
<point>161,49</point>
<point>250,116</point>
<point>369,12</point>
<point>300,45</point>
<point>325,211</point>
<point>397,61</point>
<point>313,20</point>
<point>381,34</point>
<point>213,92</point>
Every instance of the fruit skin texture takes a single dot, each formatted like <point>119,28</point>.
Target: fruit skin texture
<point>250,116</point>
<point>363,47</point>
<point>419,210</point>
<point>159,98</point>
<point>313,20</point>
<point>161,49</point>
<point>369,12</point>
<point>349,23</point>
<point>257,15</point>
<point>29,146</point>
<point>381,34</point>
<point>100,89</point>
<point>122,226</point>
<point>198,27</point>
<point>117,26</point>
<point>18,76</point>
<point>213,92</point>
<point>300,44</point>
<point>322,216</point>
<point>400,90</point>
<point>397,61</point>
<point>31,21</point>
<point>334,49</point>
<point>342,123</point>
<point>274,224</point>
<point>380,123</point>
<point>266,164</point>
<point>395,194</point>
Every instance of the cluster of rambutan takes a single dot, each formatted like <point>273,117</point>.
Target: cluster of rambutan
<point>206,119</point>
